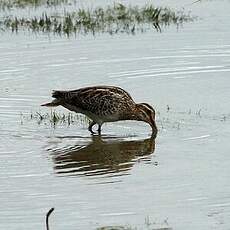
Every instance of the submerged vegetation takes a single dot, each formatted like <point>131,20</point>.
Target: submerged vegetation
<point>53,118</point>
<point>168,119</point>
<point>113,19</point>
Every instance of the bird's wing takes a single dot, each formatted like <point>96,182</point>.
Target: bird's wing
<point>101,100</point>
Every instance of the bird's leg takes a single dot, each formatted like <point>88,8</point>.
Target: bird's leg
<point>91,126</point>
<point>99,129</point>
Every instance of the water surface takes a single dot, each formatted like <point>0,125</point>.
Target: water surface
<point>178,181</point>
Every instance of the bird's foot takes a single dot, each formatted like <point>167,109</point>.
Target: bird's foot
<point>99,129</point>
<point>90,128</point>
<point>92,132</point>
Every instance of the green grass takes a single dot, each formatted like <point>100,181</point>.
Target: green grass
<point>170,119</point>
<point>113,19</point>
<point>53,118</point>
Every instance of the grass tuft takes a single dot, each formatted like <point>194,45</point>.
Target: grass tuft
<point>53,118</point>
<point>117,18</point>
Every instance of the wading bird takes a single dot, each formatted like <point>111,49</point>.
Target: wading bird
<point>104,104</point>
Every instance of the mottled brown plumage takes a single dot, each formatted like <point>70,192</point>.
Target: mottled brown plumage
<point>104,104</point>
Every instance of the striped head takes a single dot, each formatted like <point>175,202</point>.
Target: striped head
<point>145,112</point>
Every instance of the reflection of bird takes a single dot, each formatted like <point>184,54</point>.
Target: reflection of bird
<point>104,104</point>
<point>101,156</point>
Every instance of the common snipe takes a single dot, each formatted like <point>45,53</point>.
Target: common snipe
<point>104,104</point>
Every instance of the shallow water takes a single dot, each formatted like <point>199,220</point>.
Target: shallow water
<point>124,178</point>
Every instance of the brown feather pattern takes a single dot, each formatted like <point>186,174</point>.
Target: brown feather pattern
<point>104,104</point>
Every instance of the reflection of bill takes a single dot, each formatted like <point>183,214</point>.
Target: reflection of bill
<point>102,156</point>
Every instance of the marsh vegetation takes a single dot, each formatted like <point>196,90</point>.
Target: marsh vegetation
<point>54,118</point>
<point>113,19</point>
<point>168,119</point>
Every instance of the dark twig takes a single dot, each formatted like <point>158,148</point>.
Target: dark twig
<point>47,218</point>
